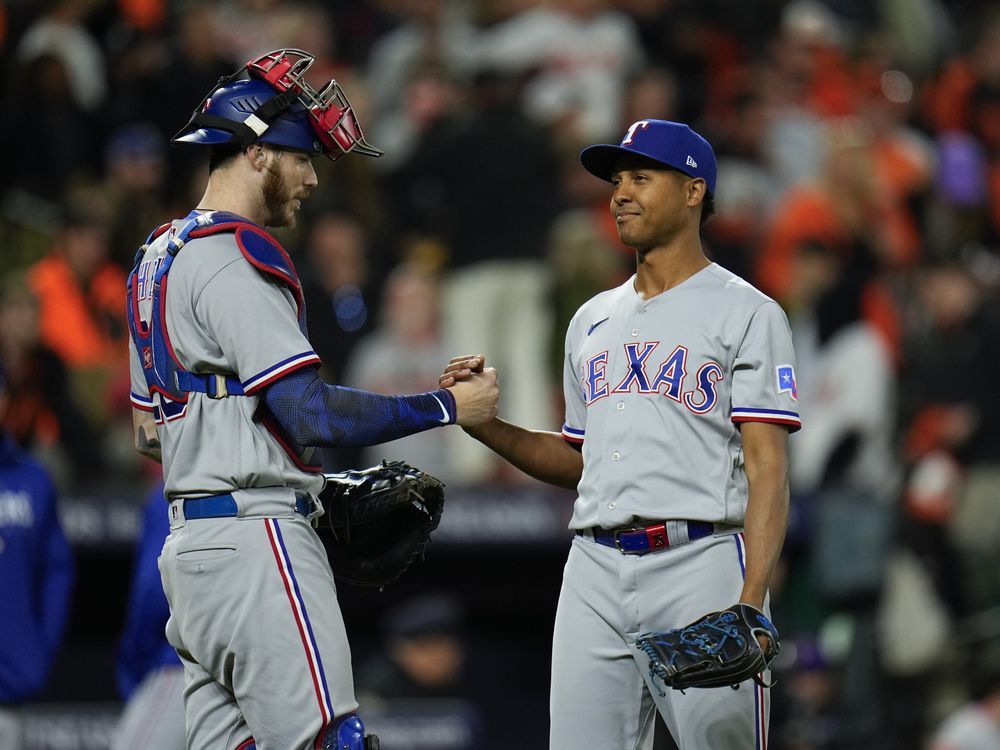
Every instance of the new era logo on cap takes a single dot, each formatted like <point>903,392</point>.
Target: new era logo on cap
<point>672,144</point>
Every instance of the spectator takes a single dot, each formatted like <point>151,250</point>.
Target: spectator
<point>749,192</point>
<point>150,676</point>
<point>412,71</point>
<point>82,313</point>
<point>577,55</point>
<point>402,355</point>
<point>338,288</point>
<point>248,28</point>
<point>483,182</point>
<point>975,725</point>
<point>42,414</point>
<point>420,675</point>
<point>153,69</point>
<point>848,212</point>
<point>61,32</point>
<point>424,654</point>
<point>40,103</point>
<point>133,188</point>
<point>36,580</point>
<point>957,339</point>
<point>845,380</point>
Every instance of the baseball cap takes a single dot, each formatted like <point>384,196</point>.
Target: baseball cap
<point>427,614</point>
<point>672,144</point>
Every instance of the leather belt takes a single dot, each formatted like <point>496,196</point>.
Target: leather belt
<point>638,540</point>
<point>224,506</point>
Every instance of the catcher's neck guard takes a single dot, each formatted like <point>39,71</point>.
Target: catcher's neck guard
<point>326,114</point>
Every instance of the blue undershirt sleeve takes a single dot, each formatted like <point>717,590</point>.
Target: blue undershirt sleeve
<point>315,413</point>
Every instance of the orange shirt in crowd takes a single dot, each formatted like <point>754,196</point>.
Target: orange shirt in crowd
<point>86,328</point>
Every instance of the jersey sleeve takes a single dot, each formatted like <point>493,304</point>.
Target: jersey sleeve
<point>254,321</point>
<point>764,387</point>
<point>139,391</point>
<point>574,426</point>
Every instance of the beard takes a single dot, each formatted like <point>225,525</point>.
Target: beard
<point>277,201</point>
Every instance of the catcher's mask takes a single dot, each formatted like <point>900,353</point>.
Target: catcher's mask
<point>268,100</point>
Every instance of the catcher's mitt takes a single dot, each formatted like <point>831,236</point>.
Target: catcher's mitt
<point>716,650</point>
<point>378,520</point>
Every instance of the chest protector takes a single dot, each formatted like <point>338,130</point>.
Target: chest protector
<point>162,369</point>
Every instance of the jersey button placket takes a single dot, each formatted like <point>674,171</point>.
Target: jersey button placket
<point>620,406</point>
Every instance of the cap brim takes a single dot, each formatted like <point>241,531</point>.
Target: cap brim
<point>600,160</point>
<point>201,137</point>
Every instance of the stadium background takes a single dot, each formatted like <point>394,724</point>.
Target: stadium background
<point>859,149</point>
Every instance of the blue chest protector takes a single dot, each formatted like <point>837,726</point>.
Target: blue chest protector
<point>163,371</point>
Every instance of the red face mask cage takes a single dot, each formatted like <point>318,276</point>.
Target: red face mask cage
<point>330,112</point>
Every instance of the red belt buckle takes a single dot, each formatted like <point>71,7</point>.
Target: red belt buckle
<point>657,536</point>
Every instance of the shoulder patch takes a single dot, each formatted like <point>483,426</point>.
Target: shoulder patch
<point>786,381</point>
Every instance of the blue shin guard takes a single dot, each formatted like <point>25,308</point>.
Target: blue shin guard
<point>348,733</point>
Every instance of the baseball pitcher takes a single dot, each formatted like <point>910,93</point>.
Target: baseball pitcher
<point>680,393</point>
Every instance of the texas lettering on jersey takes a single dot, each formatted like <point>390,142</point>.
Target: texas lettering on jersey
<point>645,374</point>
<point>145,277</point>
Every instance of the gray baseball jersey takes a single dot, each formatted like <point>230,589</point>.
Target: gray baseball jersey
<point>222,315</point>
<point>254,615</point>
<point>655,390</point>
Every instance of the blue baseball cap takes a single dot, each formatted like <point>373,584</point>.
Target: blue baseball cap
<point>672,144</point>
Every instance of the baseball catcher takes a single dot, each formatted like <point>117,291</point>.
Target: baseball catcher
<point>717,650</point>
<point>379,520</point>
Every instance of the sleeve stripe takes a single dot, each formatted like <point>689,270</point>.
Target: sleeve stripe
<point>572,435</point>
<point>144,403</point>
<point>274,372</point>
<point>749,411</point>
<point>794,424</point>
<point>762,418</point>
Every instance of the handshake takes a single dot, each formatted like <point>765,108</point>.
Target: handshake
<point>474,387</point>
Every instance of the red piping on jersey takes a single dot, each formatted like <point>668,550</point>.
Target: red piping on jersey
<point>247,744</point>
<point>163,322</point>
<point>170,348</point>
<point>271,425</point>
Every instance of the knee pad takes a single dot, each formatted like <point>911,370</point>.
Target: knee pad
<point>348,733</point>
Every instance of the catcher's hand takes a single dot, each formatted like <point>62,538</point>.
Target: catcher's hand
<point>717,650</point>
<point>379,520</point>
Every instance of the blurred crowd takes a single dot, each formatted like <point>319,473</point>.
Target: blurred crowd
<point>859,185</point>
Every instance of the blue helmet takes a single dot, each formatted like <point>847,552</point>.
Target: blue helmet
<point>269,101</point>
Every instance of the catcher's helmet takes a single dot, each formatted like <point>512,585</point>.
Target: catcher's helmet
<point>269,101</point>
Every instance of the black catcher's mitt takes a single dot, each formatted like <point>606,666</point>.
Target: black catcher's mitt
<point>717,650</point>
<point>378,520</point>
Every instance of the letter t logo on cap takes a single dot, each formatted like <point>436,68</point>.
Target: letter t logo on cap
<point>631,131</point>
